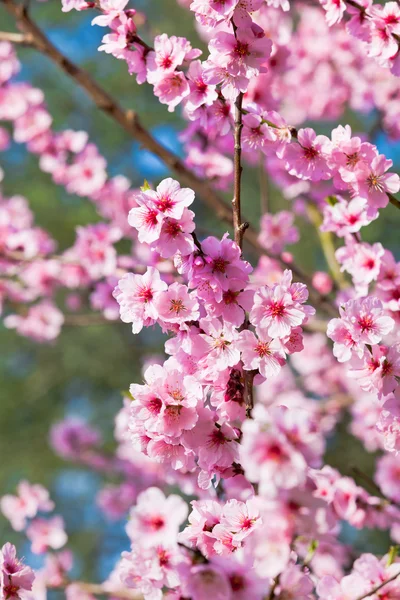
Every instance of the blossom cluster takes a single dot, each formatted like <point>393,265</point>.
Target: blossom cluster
<point>376,26</point>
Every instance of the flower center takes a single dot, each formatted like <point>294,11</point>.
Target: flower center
<point>242,49</point>
<point>237,582</point>
<point>156,522</point>
<point>166,62</point>
<point>219,265</point>
<point>172,228</point>
<point>352,159</point>
<point>365,323</point>
<point>154,406</point>
<point>229,297</point>
<point>374,181</point>
<point>165,203</point>
<point>310,153</point>
<point>176,306</point>
<point>145,294</point>
<point>277,309</point>
<point>262,349</point>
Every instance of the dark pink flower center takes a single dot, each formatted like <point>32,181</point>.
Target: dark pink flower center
<point>395,294</point>
<point>352,219</point>
<point>391,19</point>
<point>352,159</point>
<point>310,153</point>
<point>247,523</point>
<point>274,452</point>
<point>165,203</point>
<point>365,323</point>
<point>173,411</point>
<point>237,582</point>
<point>369,263</point>
<point>219,265</point>
<point>163,557</point>
<point>151,217</point>
<point>241,48</point>
<point>154,406</point>
<point>217,438</point>
<point>277,309</point>
<point>230,297</point>
<point>201,86</point>
<point>172,229</point>
<point>156,523</point>
<point>387,368</point>
<point>11,591</point>
<point>146,294</point>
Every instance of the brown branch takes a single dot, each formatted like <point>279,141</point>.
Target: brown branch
<point>15,38</point>
<point>236,202</point>
<point>130,122</point>
<point>393,200</point>
<point>249,391</point>
<point>274,585</point>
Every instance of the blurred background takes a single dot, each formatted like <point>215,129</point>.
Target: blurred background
<point>84,371</point>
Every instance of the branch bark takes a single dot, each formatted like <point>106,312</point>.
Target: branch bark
<point>238,227</point>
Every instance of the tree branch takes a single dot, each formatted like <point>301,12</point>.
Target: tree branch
<point>15,38</point>
<point>394,200</point>
<point>236,202</point>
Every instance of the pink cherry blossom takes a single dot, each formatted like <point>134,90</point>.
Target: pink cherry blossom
<point>30,500</point>
<point>263,353</point>
<point>136,295</point>
<point>176,305</point>
<point>309,158</point>
<point>15,576</point>
<point>373,183</point>
<point>45,534</point>
<point>275,312</point>
<point>156,518</point>
<point>277,231</point>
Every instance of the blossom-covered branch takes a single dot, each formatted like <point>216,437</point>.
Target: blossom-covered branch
<point>237,412</point>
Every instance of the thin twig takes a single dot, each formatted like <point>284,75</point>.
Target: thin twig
<point>237,176</point>
<point>15,38</point>
<point>275,584</point>
<point>378,587</point>
<point>393,200</point>
<point>373,486</point>
<point>249,392</point>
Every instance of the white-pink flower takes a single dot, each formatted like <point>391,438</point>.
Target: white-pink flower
<point>156,518</point>
<point>263,353</point>
<point>136,296</point>
<point>46,533</point>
